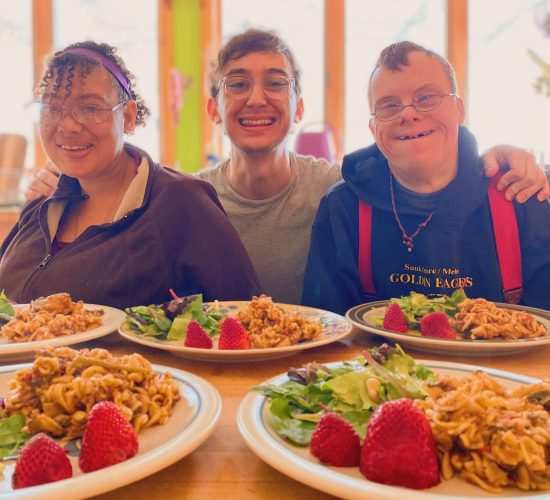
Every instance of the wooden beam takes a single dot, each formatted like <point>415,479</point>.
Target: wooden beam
<point>457,41</point>
<point>210,46</point>
<point>167,126</point>
<point>42,27</point>
<point>335,70</point>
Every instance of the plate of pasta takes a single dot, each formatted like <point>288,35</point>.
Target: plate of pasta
<point>55,321</point>
<point>276,330</point>
<point>172,411</point>
<point>460,406</point>
<point>517,328</point>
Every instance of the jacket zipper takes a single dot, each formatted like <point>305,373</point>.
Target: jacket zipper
<point>44,262</point>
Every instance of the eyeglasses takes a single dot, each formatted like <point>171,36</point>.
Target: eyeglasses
<point>239,87</point>
<point>390,110</point>
<point>50,114</point>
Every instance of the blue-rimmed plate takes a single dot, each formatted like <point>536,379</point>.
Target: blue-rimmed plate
<point>193,419</point>
<point>364,317</point>
<point>335,327</point>
<point>348,482</point>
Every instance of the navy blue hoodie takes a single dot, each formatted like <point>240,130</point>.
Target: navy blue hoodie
<point>456,248</point>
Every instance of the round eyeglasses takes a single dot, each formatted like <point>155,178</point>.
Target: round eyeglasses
<point>391,109</point>
<point>239,87</point>
<point>51,114</point>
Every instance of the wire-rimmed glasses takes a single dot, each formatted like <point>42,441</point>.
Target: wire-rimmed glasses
<point>391,109</point>
<point>51,114</point>
<point>239,87</point>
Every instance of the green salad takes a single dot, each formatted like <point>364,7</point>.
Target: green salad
<point>169,321</point>
<point>6,309</point>
<point>416,305</point>
<point>353,389</point>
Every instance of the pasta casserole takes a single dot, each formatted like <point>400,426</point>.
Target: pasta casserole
<point>490,435</point>
<point>269,325</point>
<point>58,391</point>
<point>53,316</point>
<point>481,319</point>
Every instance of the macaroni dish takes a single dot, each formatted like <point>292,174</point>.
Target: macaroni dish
<point>490,435</point>
<point>269,325</point>
<point>59,390</point>
<point>53,316</point>
<point>481,319</point>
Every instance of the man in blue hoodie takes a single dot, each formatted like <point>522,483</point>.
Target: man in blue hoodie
<point>428,226</point>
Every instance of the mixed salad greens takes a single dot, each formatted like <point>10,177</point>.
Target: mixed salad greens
<point>353,389</point>
<point>416,305</point>
<point>169,321</point>
<point>12,436</point>
<point>6,309</point>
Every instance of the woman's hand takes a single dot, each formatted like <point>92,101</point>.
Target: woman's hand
<point>44,182</point>
<point>524,179</point>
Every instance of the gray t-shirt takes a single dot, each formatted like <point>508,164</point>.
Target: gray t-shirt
<point>276,231</point>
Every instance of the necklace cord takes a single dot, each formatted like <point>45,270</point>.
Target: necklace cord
<point>407,240</point>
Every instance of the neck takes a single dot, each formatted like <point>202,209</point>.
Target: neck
<point>258,176</point>
<point>424,182</point>
<point>112,180</point>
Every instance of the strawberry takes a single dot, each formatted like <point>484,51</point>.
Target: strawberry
<point>41,461</point>
<point>195,336</point>
<point>394,319</point>
<point>108,438</point>
<point>335,442</point>
<point>436,324</point>
<point>400,448</point>
<point>233,335</point>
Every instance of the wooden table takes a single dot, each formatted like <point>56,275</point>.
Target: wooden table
<point>223,466</point>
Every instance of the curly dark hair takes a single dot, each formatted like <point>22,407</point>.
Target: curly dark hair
<point>61,68</point>
<point>252,40</point>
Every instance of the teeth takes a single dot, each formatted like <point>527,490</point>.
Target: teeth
<point>256,122</point>
<point>408,137</point>
<point>73,148</point>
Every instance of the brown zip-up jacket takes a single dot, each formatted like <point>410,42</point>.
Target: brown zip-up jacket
<point>170,232</point>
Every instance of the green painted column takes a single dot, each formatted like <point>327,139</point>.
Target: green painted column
<point>187,50</point>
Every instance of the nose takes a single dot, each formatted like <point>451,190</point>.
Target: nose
<point>68,122</point>
<point>408,112</point>
<point>257,95</point>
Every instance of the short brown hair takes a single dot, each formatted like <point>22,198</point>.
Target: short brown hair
<point>396,55</point>
<point>252,40</point>
<point>62,67</point>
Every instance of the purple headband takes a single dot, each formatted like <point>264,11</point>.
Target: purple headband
<point>109,65</point>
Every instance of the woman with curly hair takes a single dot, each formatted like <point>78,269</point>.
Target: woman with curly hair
<point>119,229</point>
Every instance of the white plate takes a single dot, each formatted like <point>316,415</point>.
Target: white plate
<point>335,327</point>
<point>362,317</point>
<point>194,418</point>
<point>18,350</point>
<point>298,463</point>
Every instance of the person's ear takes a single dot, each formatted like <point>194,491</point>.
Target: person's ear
<point>299,110</point>
<point>371,127</point>
<point>130,116</point>
<point>213,112</point>
<point>461,110</point>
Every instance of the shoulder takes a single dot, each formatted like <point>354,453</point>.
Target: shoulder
<point>362,154</point>
<point>316,170</point>
<point>169,180</point>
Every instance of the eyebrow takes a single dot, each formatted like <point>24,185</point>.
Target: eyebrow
<point>245,72</point>
<point>90,95</point>
<point>423,88</point>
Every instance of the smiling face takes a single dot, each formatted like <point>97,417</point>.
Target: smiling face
<point>421,147</point>
<point>258,123</point>
<point>85,150</point>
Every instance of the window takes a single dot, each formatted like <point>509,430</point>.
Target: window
<point>370,26</point>
<point>508,96</point>
<point>17,78</point>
